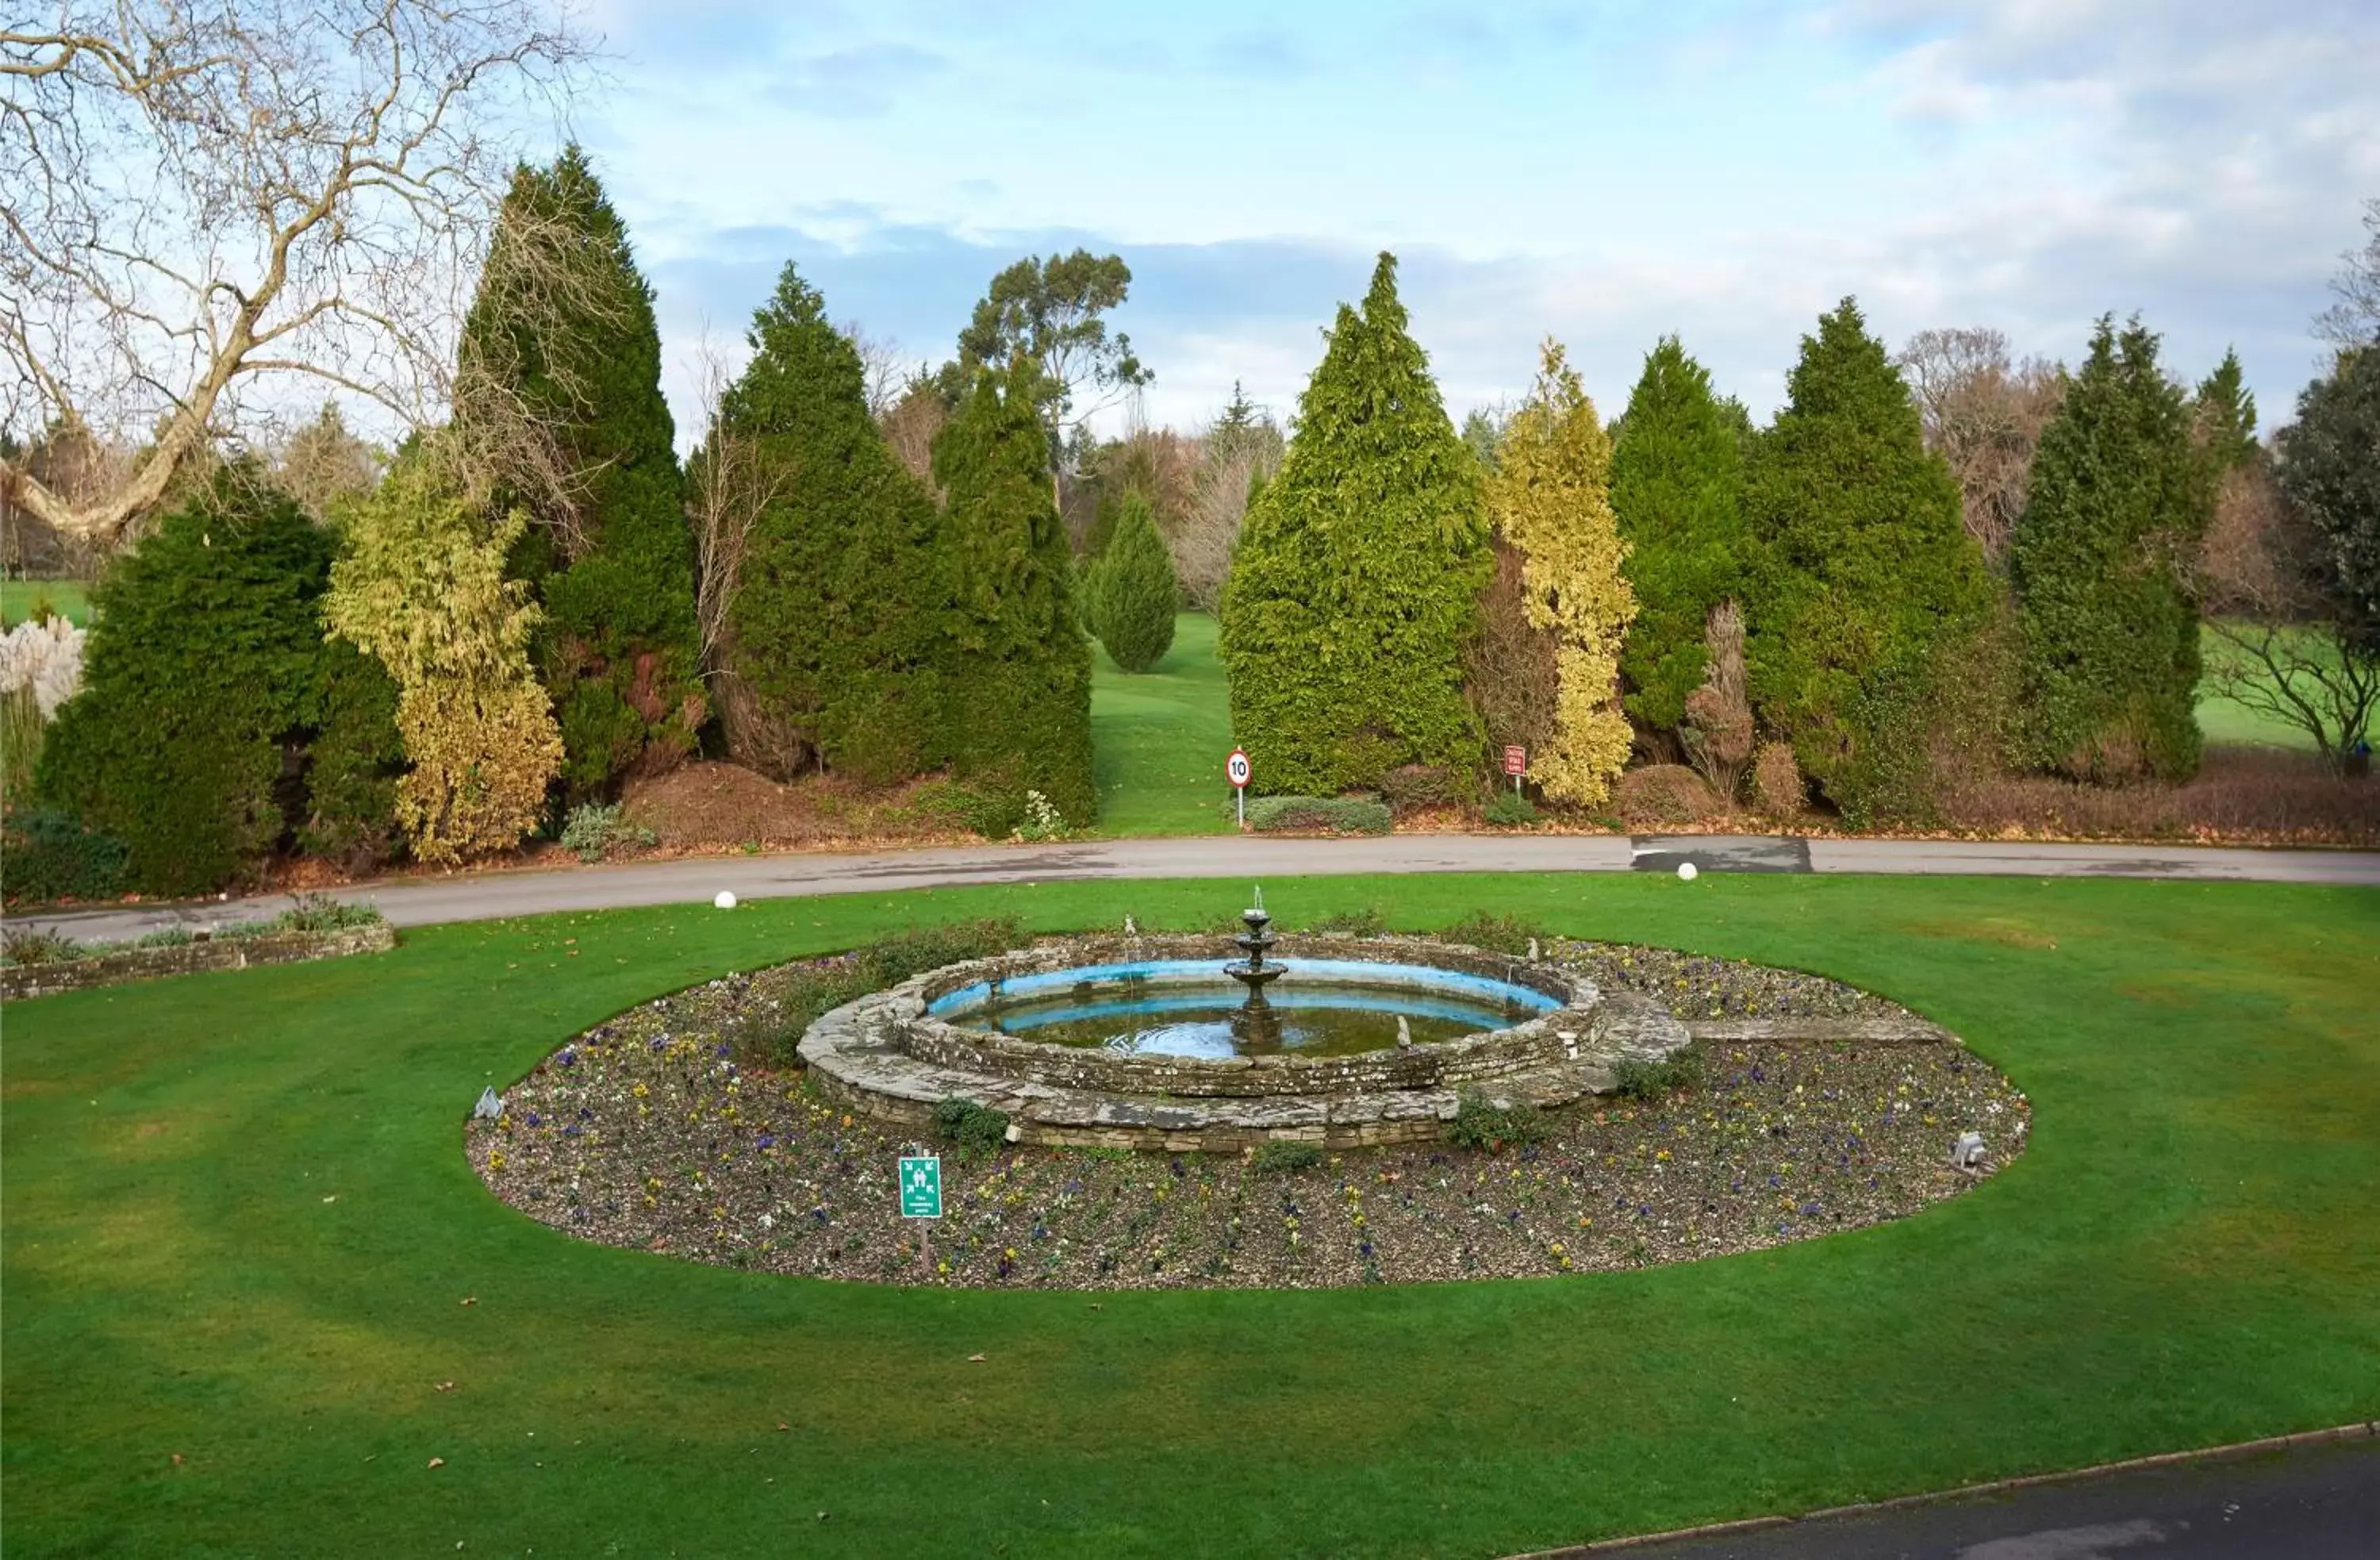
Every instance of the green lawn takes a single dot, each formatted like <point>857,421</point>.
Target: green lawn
<point>18,598</point>
<point>1160,739</point>
<point>2223,720</point>
<point>238,1229</point>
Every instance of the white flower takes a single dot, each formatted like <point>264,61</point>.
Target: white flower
<point>44,656</point>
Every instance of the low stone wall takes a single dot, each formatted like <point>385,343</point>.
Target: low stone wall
<point>1540,1041</point>
<point>882,1055</point>
<point>19,981</point>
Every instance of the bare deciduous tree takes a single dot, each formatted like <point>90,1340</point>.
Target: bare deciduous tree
<point>2283,648</point>
<point>2354,320</point>
<point>1233,457</point>
<point>196,200</point>
<point>1983,414</point>
<point>887,370</point>
<point>911,426</point>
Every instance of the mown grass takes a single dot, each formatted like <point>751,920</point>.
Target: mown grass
<point>238,1229</point>
<point>1159,738</point>
<point>2223,719</point>
<point>19,597</point>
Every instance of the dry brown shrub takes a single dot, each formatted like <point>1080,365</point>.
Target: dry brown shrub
<point>2239,793</point>
<point>1777,783</point>
<point>1717,729</point>
<point>1664,793</point>
<point>910,427</point>
<point>1509,669</point>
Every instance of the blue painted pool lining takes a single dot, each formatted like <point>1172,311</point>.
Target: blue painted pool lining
<point>1485,1015</point>
<point>1296,973</point>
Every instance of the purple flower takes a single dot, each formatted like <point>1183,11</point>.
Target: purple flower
<point>724,1048</point>
<point>533,1120</point>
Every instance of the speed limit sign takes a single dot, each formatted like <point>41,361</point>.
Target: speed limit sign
<point>1236,766</point>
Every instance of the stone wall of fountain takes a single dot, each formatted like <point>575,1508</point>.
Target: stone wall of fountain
<point>886,1055</point>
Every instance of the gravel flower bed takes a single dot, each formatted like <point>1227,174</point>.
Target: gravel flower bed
<point>647,1132</point>
<point>1694,986</point>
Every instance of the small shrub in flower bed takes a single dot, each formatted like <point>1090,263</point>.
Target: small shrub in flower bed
<point>1636,1079</point>
<point>976,1128</point>
<point>1333,815</point>
<point>649,1132</point>
<point>1479,1125</point>
<point>1282,1158</point>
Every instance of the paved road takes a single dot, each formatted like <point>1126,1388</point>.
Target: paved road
<point>2311,1503</point>
<point>421,901</point>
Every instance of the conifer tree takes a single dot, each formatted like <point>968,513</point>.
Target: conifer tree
<point>2108,626</point>
<point>1020,680</point>
<point>562,386</point>
<point>205,666</point>
<point>1866,572</point>
<point>1131,590</point>
<point>1550,497</point>
<point>2223,416</point>
<point>1677,489</point>
<point>838,622</point>
<point>1358,575</point>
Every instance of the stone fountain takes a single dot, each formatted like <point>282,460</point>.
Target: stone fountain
<point>1253,971</point>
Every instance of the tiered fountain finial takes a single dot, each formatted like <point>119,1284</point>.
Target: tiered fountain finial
<point>1253,971</point>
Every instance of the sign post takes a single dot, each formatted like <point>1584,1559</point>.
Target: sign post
<point>921,1198</point>
<point>1236,766</point>
<point>1516,763</point>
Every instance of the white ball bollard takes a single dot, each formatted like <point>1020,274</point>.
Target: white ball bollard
<point>1686,872</point>
<point>724,899</point>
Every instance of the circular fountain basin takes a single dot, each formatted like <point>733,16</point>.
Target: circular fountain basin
<point>1517,1030</point>
<point>1185,1007</point>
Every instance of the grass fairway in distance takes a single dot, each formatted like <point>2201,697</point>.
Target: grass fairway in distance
<point>69,597</point>
<point>239,1230</point>
<point>1159,738</point>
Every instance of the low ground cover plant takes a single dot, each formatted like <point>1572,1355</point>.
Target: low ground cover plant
<point>1337,815</point>
<point>976,1129</point>
<point>1481,1123</point>
<point>1636,1079</point>
<point>594,830</point>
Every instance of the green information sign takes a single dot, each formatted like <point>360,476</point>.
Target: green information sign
<point>921,1187</point>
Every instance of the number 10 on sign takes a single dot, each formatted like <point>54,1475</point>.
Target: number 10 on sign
<point>1237,769</point>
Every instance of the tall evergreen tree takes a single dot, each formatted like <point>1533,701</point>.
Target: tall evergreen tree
<point>562,383</point>
<point>1677,488</point>
<point>1864,572</point>
<point>838,623</point>
<point>2330,468</point>
<point>2223,414</point>
<point>1130,591</point>
<point>1020,675</point>
<point>1358,575</point>
<point>2108,626</point>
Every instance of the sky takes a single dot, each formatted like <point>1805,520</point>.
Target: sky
<point>1601,173</point>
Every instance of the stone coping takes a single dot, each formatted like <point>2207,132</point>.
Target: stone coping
<point>18,982</point>
<point>884,1056</point>
<point>1485,1053</point>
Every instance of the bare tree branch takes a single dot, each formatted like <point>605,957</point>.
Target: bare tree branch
<point>185,183</point>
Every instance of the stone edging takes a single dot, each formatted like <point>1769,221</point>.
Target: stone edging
<point>884,1056</point>
<point>19,981</point>
<point>1817,1029</point>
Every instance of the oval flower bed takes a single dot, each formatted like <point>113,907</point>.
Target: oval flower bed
<point>648,1131</point>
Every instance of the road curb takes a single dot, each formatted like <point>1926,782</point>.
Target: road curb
<point>2363,1431</point>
